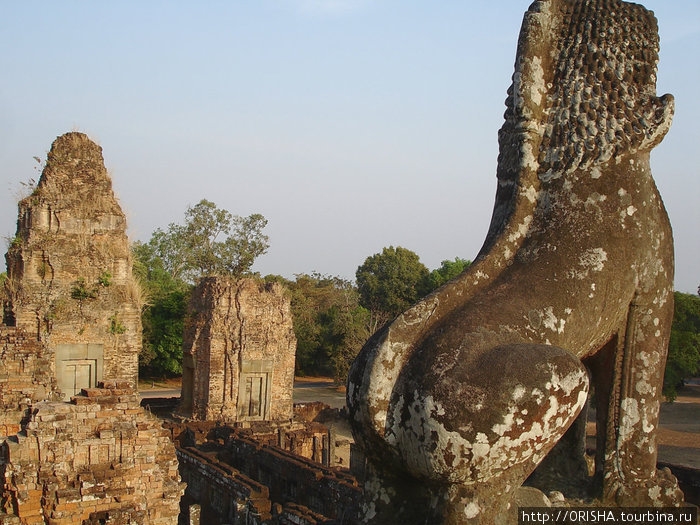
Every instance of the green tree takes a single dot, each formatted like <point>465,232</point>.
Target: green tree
<point>329,324</point>
<point>448,270</point>
<point>345,330</point>
<point>684,345</point>
<point>163,316</point>
<point>211,241</point>
<point>305,304</point>
<point>391,281</point>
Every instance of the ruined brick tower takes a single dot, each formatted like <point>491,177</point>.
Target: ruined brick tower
<point>72,331</point>
<point>69,271</point>
<point>239,349</point>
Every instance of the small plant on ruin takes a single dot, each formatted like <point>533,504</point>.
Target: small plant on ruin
<point>27,188</point>
<point>80,291</point>
<point>49,315</point>
<point>16,242</point>
<point>59,307</point>
<point>105,279</point>
<point>115,325</point>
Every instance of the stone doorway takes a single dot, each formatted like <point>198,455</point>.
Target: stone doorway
<point>253,399</point>
<point>78,374</point>
<point>78,366</point>
<point>254,390</point>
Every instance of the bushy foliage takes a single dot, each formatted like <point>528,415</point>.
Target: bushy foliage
<point>448,270</point>
<point>212,241</point>
<point>81,291</point>
<point>329,324</point>
<point>164,315</point>
<point>684,346</point>
<point>391,281</point>
<point>346,329</point>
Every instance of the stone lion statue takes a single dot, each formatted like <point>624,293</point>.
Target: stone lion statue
<point>458,400</point>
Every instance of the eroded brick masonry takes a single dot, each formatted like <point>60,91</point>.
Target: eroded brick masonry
<point>70,282</point>
<point>239,350</point>
<point>99,456</point>
<point>75,446</point>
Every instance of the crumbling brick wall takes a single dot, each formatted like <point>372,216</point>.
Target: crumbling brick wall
<point>236,479</point>
<point>69,269</point>
<point>100,456</point>
<point>239,351</point>
<point>310,440</point>
<point>223,494</point>
<point>331,492</point>
<point>25,377</point>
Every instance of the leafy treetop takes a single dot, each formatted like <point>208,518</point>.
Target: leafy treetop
<point>448,270</point>
<point>390,281</point>
<point>212,241</point>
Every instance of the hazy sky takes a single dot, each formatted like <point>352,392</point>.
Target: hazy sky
<point>350,124</point>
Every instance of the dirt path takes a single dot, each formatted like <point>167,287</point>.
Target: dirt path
<point>679,429</point>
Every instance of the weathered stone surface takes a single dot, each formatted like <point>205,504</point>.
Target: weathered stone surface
<point>72,322</point>
<point>457,400</point>
<point>238,477</point>
<point>239,350</point>
<point>26,377</point>
<point>99,459</point>
<point>69,270</point>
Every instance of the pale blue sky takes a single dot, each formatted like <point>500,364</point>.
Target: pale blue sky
<point>350,124</point>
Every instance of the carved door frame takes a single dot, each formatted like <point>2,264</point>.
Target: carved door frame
<point>255,375</point>
<point>72,356</point>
